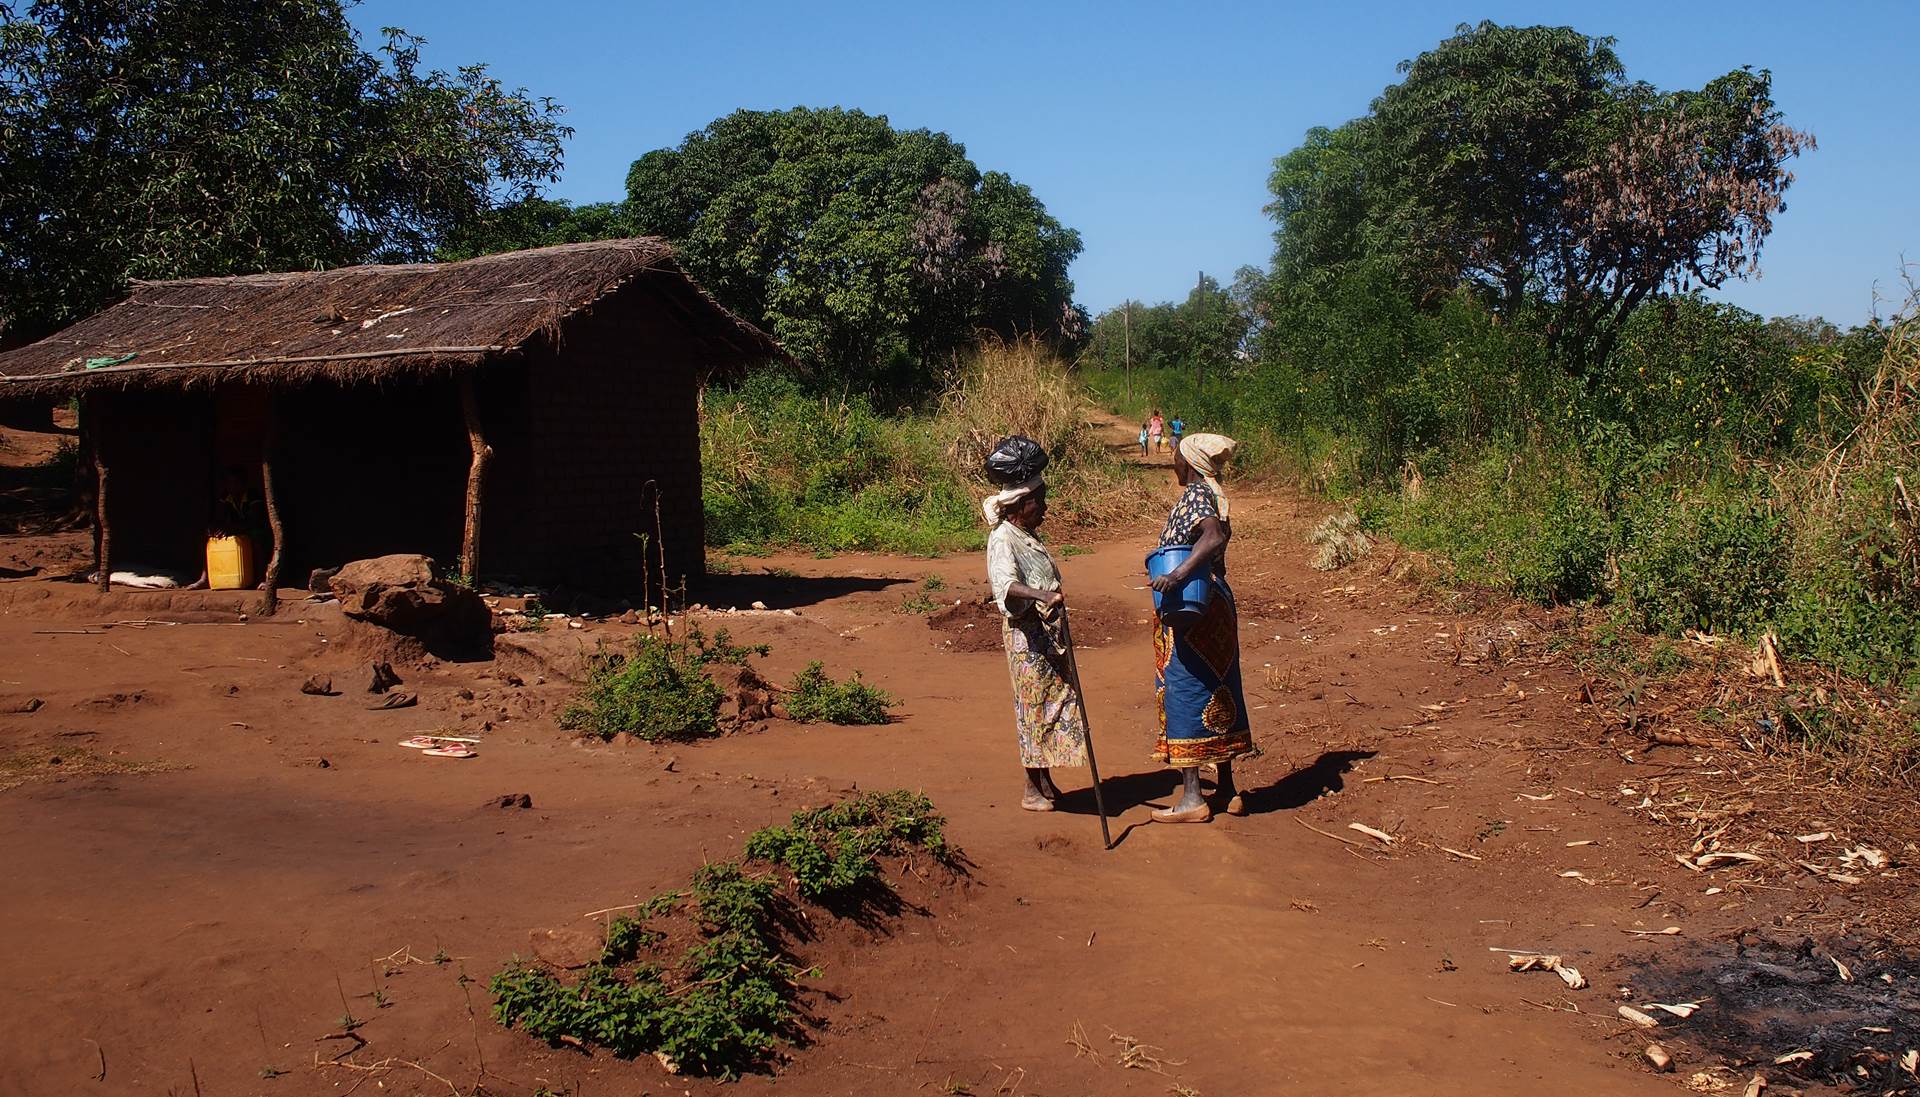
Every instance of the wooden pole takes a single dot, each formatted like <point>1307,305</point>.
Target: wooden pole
<point>1093,767</point>
<point>1126,323</point>
<point>476,477</point>
<point>1200,360</point>
<point>268,445</point>
<point>90,432</point>
<point>102,529</point>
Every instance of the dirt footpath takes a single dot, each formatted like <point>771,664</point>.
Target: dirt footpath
<point>218,867</point>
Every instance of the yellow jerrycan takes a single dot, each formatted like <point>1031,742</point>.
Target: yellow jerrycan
<point>230,563</point>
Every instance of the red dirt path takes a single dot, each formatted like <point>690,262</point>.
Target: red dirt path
<point>192,926</point>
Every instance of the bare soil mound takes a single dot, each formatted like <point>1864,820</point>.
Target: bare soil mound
<point>975,626</point>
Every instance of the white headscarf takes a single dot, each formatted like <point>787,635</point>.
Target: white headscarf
<point>1208,454</point>
<point>995,506</point>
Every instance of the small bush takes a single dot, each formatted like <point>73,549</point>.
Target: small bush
<point>814,697</point>
<point>657,691</point>
<point>1718,565</point>
<point>725,1004</point>
<point>833,850</point>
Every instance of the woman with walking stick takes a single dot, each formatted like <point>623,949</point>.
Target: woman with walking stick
<point>1203,711</point>
<point>1047,709</point>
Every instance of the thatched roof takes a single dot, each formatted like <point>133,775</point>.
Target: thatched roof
<point>363,323</point>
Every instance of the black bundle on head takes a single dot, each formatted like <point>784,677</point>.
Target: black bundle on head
<point>1014,461</point>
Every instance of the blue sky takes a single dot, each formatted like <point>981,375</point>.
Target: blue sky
<point>1151,128</point>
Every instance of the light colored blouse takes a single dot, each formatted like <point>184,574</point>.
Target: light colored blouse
<point>1016,556</point>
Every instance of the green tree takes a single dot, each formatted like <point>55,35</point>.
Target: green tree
<point>874,252</point>
<point>535,222</point>
<point>168,138</point>
<point>1521,163</point>
<point>1203,333</point>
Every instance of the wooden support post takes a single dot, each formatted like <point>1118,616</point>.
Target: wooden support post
<point>268,445</point>
<point>102,532</point>
<point>476,477</point>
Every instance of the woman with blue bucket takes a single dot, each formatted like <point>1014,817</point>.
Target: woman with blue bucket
<point>1203,711</point>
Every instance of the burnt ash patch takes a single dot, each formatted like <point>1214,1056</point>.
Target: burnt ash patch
<point>1770,997</point>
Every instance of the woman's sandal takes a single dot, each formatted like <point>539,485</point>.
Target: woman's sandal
<point>424,742</point>
<point>452,750</point>
<point>1201,814</point>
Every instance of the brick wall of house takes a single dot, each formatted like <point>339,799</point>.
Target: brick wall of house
<point>610,427</point>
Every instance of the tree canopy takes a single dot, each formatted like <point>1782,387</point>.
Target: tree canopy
<point>174,138</point>
<point>1204,333</point>
<point>1522,163</point>
<point>862,247</point>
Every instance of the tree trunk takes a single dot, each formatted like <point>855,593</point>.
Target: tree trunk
<point>476,478</point>
<point>271,602</point>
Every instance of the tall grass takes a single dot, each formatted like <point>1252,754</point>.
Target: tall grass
<point>786,465</point>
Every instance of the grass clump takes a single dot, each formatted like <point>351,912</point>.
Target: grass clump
<point>657,691</point>
<point>814,697</point>
<point>1338,541</point>
<point>724,1003</point>
<point>783,464</point>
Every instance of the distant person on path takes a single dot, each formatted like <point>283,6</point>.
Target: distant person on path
<point>1143,439</point>
<point>1178,427</point>
<point>1156,430</point>
<point>1026,586</point>
<point>1203,711</point>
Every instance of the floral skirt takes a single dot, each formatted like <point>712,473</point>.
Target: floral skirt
<point>1203,711</point>
<point>1046,707</point>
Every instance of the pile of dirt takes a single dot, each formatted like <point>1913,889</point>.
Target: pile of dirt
<point>975,626</point>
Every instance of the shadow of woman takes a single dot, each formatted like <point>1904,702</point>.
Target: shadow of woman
<point>1126,791</point>
<point>1326,775</point>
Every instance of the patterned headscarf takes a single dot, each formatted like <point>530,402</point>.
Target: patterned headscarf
<point>1208,454</point>
<point>995,506</point>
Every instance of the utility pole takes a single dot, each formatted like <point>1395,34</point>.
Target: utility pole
<point>1126,325</point>
<point>1200,359</point>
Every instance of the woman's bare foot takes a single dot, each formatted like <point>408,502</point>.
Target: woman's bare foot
<point>1033,801</point>
<point>1236,804</point>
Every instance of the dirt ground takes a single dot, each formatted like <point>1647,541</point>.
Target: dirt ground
<point>207,868</point>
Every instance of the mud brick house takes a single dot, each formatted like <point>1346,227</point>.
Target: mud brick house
<point>531,415</point>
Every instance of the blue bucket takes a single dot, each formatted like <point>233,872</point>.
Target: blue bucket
<point>1183,606</point>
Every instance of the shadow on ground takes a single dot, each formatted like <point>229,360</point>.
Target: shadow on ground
<point>787,591</point>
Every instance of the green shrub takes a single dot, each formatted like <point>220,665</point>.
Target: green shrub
<point>833,850</point>
<point>1524,522</point>
<point>725,1004</point>
<point>657,691</point>
<point>814,697</point>
<point>1718,564</point>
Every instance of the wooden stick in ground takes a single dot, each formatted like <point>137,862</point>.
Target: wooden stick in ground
<point>271,603</point>
<point>102,531</point>
<point>476,477</point>
<point>1093,767</point>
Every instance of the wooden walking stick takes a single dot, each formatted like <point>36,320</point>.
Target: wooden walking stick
<point>1099,802</point>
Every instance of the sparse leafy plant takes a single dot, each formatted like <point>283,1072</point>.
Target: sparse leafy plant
<point>922,600</point>
<point>658,690</point>
<point>834,850</point>
<point>814,697</point>
<point>725,1003</point>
